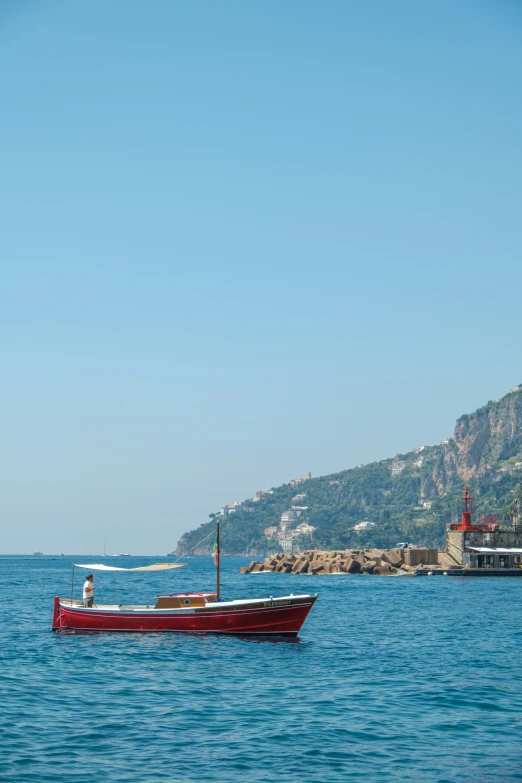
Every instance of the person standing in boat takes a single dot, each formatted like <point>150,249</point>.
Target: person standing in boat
<point>88,590</point>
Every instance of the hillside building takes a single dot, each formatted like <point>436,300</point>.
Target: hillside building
<point>364,525</point>
<point>287,545</point>
<point>230,508</point>
<point>300,479</point>
<point>397,467</point>
<point>304,529</point>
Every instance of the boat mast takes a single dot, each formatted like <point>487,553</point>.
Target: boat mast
<point>217,564</point>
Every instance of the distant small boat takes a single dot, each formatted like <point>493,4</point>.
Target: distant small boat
<point>37,553</point>
<point>122,554</point>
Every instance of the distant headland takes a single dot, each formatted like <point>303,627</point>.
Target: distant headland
<point>407,497</point>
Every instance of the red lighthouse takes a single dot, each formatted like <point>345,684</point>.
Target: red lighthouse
<point>466,523</point>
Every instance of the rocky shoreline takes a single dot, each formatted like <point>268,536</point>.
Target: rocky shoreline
<point>381,562</point>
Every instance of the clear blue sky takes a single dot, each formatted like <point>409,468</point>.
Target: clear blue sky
<point>241,241</point>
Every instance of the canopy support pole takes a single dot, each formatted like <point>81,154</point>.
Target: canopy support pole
<point>72,585</point>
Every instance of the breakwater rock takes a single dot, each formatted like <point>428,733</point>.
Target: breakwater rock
<point>382,562</point>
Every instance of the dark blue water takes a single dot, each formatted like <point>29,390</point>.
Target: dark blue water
<point>392,679</point>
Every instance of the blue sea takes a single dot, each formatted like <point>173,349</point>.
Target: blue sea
<point>392,679</point>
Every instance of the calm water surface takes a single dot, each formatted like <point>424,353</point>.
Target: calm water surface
<point>392,679</point>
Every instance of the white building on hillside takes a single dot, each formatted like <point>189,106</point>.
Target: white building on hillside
<point>364,525</point>
<point>397,467</point>
<point>304,529</point>
<point>287,545</point>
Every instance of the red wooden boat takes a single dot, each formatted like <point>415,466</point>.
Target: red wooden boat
<point>194,613</point>
<point>185,612</point>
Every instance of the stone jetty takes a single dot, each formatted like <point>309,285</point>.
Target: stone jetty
<point>381,562</point>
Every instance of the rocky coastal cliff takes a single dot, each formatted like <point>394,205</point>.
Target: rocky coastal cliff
<point>480,442</point>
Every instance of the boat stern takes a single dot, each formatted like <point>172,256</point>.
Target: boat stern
<point>56,614</point>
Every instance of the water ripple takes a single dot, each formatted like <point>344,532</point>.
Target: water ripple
<point>392,680</point>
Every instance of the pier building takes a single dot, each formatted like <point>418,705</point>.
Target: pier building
<point>485,547</point>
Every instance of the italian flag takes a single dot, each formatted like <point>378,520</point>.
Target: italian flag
<point>215,552</point>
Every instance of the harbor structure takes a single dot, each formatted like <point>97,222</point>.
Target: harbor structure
<point>487,548</point>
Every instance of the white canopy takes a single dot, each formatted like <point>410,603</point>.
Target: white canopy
<point>153,567</point>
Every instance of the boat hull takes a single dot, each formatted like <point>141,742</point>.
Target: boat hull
<point>274,616</point>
